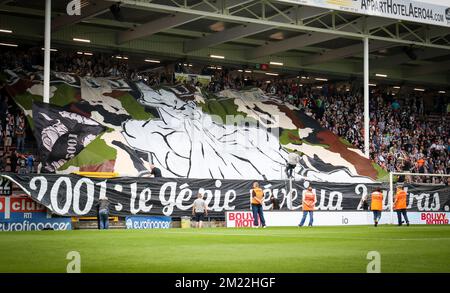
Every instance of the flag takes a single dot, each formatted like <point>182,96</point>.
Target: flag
<point>61,134</point>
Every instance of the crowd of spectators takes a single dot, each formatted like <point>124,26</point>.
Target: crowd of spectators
<point>14,156</point>
<point>404,137</point>
<point>79,63</point>
<point>83,64</point>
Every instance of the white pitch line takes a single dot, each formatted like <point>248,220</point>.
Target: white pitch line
<point>308,236</point>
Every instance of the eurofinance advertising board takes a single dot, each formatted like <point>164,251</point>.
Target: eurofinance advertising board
<point>143,222</point>
<point>409,10</point>
<point>20,213</point>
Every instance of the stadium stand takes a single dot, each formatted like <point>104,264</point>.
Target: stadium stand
<point>15,156</point>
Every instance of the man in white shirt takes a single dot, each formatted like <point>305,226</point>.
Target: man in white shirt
<point>39,168</point>
<point>199,210</point>
<point>292,161</point>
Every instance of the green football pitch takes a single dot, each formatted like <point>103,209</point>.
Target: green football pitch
<point>316,249</point>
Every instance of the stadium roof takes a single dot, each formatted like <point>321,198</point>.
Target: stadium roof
<point>245,32</point>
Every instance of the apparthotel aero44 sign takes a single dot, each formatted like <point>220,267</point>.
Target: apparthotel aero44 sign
<point>409,10</point>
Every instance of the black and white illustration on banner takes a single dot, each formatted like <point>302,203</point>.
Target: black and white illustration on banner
<point>186,142</point>
<point>61,135</point>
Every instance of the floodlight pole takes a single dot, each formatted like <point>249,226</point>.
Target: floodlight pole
<point>366,97</point>
<point>48,10</point>
<point>391,197</point>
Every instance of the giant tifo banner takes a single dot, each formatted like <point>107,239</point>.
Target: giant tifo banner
<point>122,126</point>
<point>72,195</point>
<point>417,11</point>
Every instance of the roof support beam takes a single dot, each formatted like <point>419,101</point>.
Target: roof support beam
<point>435,32</point>
<point>155,26</point>
<point>233,17</point>
<point>304,40</point>
<point>163,47</point>
<point>431,68</point>
<point>349,51</point>
<point>315,38</point>
<point>403,58</point>
<point>344,52</point>
<point>228,35</point>
<point>171,21</point>
<point>93,9</point>
<point>115,24</point>
<point>245,30</point>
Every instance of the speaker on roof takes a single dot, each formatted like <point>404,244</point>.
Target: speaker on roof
<point>409,51</point>
<point>115,10</point>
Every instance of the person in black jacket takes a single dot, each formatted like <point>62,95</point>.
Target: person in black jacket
<point>275,204</point>
<point>156,172</point>
<point>13,160</point>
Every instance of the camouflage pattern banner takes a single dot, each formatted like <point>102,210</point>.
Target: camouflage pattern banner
<point>185,131</point>
<point>72,195</point>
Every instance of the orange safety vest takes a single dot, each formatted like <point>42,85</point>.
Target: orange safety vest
<point>400,200</point>
<point>259,194</point>
<point>377,201</point>
<point>308,202</point>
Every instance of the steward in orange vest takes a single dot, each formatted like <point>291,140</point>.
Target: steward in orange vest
<point>257,201</point>
<point>400,205</point>
<point>309,202</point>
<point>376,205</point>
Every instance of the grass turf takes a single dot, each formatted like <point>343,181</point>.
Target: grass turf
<point>317,249</point>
